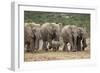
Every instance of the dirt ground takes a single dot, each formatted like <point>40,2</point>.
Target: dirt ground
<point>58,55</point>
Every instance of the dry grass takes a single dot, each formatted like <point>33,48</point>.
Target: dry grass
<point>59,55</point>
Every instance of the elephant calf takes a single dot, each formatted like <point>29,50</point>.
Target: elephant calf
<point>55,45</point>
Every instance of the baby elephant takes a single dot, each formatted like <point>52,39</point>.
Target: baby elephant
<point>55,45</point>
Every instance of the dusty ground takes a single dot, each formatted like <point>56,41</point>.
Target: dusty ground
<point>59,55</point>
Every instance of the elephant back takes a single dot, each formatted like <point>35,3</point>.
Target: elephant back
<point>66,30</point>
<point>45,30</point>
<point>50,31</point>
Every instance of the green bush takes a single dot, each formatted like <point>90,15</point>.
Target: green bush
<point>82,20</point>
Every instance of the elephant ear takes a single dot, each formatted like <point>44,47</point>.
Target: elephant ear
<point>82,32</point>
<point>33,29</point>
<point>28,31</point>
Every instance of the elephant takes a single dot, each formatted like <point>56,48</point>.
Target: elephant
<point>32,36</point>
<point>55,45</point>
<point>28,38</point>
<point>81,39</point>
<point>49,32</point>
<point>37,35</point>
<point>67,36</point>
<point>73,35</point>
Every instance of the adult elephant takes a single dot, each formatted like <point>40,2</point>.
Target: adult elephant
<point>49,32</point>
<point>68,37</point>
<point>81,39</point>
<point>73,35</point>
<point>32,36</point>
<point>37,36</point>
<point>28,38</point>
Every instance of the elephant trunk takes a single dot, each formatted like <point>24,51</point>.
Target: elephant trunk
<point>74,43</point>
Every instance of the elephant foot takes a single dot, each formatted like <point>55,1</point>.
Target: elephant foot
<point>54,49</point>
<point>28,50</point>
<point>86,45</point>
<point>35,50</point>
<point>66,50</point>
<point>83,48</point>
<point>50,47</point>
<point>78,49</point>
<point>73,50</point>
<point>32,50</point>
<point>46,49</point>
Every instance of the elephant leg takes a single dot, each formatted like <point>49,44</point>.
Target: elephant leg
<point>31,45</point>
<point>57,48</point>
<point>74,43</point>
<point>50,44</point>
<point>84,44</point>
<point>36,44</point>
<point>25,46</point>
<point>28,46</point>
<point>71,41</point>
<point>78,44</point>
<point>73,47</point>
<point>50,47</point>
<point>65,48</point>
<point>54,49</point>
<point>45,46</point>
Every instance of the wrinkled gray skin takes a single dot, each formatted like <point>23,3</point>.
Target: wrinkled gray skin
<point>49,32</point>
<point>37,35</point>
<point>55,45</point>
<point>73,35</point>
<point>67,36</point>
<point>32,36</point>
<point>82,35</point>
<point>28,38</point>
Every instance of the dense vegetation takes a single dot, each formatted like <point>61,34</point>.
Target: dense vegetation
<point>82,20</point>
